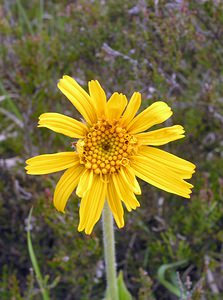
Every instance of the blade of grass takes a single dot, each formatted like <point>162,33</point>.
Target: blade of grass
<point>11,117</point>
<point>34,261</point>
<point>24,17</point>
<point>41,12</point>
<point>10,104</point>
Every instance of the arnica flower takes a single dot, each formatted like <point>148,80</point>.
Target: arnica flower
<point>112,148</point>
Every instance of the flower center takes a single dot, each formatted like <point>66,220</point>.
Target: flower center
<point>106,147</point>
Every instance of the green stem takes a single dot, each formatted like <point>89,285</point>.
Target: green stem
<point>109,252</point>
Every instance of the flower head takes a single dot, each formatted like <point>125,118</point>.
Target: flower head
<point>111,151</point>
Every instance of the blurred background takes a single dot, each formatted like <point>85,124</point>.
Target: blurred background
<point>167,50</point>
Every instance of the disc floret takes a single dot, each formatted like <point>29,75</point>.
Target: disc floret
<point>106,147</point>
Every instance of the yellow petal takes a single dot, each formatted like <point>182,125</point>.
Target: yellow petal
<point>50,163</point>
<point>184,168</point>
<point>132,108</point>
<point>116,105</point>
<point>128,176</point>
<point>115,205</point>
<point>160,176</point>
<point>124,191</point>
<point>63,124</point>
<point>98,97</point>
<point>161,136</point>
<point>92,204</point>
<point>155,114</point>
<point>85,183</point>
<point>78,97</point>
<point>66,186</point>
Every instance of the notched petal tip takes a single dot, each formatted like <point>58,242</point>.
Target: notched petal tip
<point>167,174</point>
<point>42,116</point>
<point>86,230</point>
<point>187,196</point>
<point>59,83</point>
<point>67,77</point>
<point>60,210</point>
<point>120,225</point>
<point>29,173</point>
<point>29,161</point>
<point>27,168</point>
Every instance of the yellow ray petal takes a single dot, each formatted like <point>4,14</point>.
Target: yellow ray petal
<point>161,136</point>
<point>50,163</point>
<point>124,192</point>
<point>184,168</point>
<point>116,105</point>
<point>63,124</point>
<point>131,109</point>
<point>66,186</point>
<point>155,114</point>
<point>92,204</point>
<point>160,176</point>
<point>85,183</point>
<point>115,205</point>
<point>78,97</point>
<point>98,96</point>
<point>128,176</point>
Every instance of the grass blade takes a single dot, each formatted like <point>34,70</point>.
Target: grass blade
<point>24,17</point>
<point>10,104</point>
<point>34,261</point>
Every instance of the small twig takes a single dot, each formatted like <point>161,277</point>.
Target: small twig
<point>20,191</point>
<point>12,117</point>
<point>6,136</point>
<point>181,287</point>
<point>10,162</point>
<point>162,224</point>
<point>116,53</point>
<point>210,276</point>
<point>188,285</point>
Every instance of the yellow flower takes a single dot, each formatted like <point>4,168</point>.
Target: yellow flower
<point>111,150</point>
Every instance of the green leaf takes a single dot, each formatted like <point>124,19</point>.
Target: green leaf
<point>123,293</point>
<point>122,290</point>
<point>172,286</point>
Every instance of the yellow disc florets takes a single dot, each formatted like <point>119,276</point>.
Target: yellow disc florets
<point>106,147</point>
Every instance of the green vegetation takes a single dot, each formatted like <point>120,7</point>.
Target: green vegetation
<point>168,50</point>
